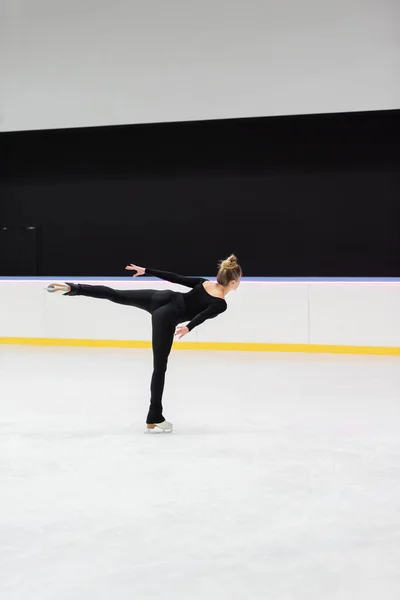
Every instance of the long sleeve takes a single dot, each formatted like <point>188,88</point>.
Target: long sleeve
<point>174,278</point>
<point>209,313</point>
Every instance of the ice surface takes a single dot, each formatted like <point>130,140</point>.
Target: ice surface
<point>280,482</point>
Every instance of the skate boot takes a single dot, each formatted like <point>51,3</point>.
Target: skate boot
<point>70,289</point>
<point>58,287</point>
<point>164,427</point>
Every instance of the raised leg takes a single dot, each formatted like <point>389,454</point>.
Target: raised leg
<point>137,298</point>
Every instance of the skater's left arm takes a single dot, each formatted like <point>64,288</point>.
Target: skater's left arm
<point>209,313</point>
<point>175,278</point>
<point>171,277</point>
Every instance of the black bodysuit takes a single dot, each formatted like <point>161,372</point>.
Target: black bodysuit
<point>199,304</point>
<point>167,309</point>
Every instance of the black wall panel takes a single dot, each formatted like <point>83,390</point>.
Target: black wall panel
<point>292,196</point>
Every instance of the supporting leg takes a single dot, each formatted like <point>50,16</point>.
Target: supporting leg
<point>164,322</point>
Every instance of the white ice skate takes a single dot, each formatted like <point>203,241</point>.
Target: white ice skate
<point>164,427</point>
<point>58,287</point>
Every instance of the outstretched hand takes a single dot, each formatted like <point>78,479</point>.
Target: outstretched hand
<point>139,270</point>
<point>181,330</point>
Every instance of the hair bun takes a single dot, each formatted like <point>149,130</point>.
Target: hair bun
<point>230,262</point>
<point>229,270</point>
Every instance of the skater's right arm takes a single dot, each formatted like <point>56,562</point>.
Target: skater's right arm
<point>171,277</point>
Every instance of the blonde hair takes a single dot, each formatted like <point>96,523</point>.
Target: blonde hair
<point>229,270</point>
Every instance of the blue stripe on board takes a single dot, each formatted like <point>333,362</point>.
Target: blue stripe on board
<point>261,279</point>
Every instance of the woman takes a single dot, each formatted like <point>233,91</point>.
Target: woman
<point>206,300</point>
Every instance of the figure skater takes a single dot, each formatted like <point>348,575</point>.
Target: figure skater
<point>206,300</point>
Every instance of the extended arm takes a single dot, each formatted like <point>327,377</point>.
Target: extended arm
<point>174,278</point>
<point>209,313</point>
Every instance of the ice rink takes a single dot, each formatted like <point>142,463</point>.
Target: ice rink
<point>281,480</point>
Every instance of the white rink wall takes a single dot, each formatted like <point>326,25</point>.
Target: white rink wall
<point>323,312</point>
